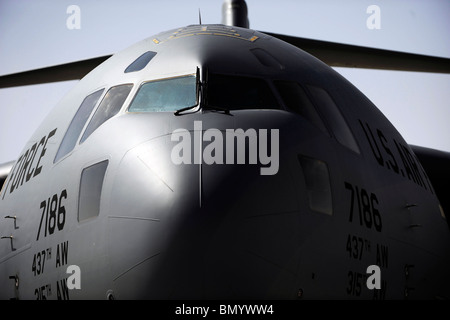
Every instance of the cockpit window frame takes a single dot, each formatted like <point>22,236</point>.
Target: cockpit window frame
<point>98,116</point>
<point>78,124</point>
<point>268,82</point>
<point>334,119</point>
<point>309,111</point>
<point>143,83</point>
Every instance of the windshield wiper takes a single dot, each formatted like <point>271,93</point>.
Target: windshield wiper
<point>179,112</point>
<point>202,96</point>
<point>198,89</point>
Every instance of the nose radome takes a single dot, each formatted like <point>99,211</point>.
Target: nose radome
<point>200,230</point>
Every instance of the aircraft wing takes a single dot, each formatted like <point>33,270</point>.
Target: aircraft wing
<point>345,55</point>
<point>5,168</point>
<point>68,71</point>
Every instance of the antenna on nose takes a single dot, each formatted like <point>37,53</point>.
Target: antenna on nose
<point>235,13</point>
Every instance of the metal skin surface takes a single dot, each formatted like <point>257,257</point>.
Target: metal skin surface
<point>223,231</point>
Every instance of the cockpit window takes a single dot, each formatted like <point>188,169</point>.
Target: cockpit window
<point>166,95</point>
<point>141,62</point>
<point>296,100</point>
<point>79,120</point>
<point>334,118</point>
<point>236,92</point>
<point>110,105</point>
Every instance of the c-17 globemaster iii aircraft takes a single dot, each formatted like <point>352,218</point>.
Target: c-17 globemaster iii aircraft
<point>219,162</point>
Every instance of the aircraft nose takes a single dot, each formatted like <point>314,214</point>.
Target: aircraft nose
<point>148,195</point>
<point>198,230</point>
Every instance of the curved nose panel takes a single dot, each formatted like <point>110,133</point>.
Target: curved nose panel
<point>148,188</point>
<point>199,230</point>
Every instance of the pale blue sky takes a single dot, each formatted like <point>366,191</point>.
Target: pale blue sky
<point>33,34</point>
